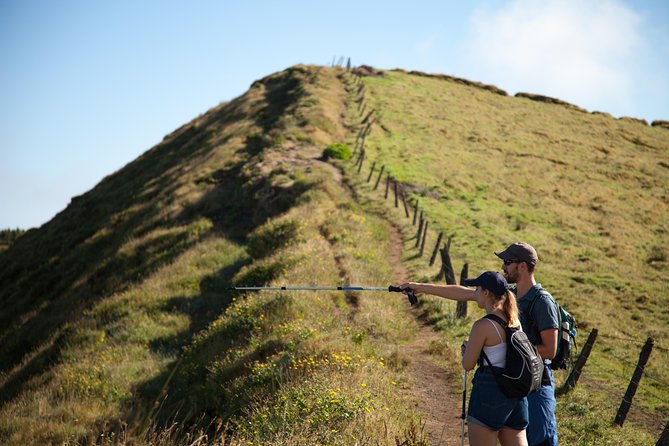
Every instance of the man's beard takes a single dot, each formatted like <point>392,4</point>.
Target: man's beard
<point>511,277</point>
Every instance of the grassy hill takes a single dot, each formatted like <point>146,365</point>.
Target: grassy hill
<point>589,191</point>
<point>117,324</point>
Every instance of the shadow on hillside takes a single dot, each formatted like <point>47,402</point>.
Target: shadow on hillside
<point>101,244</point>
<point>186,390</point>
<point>52,275</point>
<point>201,309</point>
<point>283,91</point>
<point>197,383</point>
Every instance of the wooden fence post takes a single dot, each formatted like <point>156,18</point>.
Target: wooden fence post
<point>383,167</point>
<point>362,158</point>
<point>362,110</point>
<point>415,211</point>
<point>575,373</point>
<point>446,265</point>
<point>367,130</point>
<point>404,202</point>
<point>357,138</point>
<point>422,242</point>
<point>436,248</point>
<point>396,197</point>
<point>369,115</point>
<point>371,171</point>
<point>360,144</point>
<point>385,195</point>
<point>420,230</point>
<point>634,383</point>
<point>461,309</point>
<point>664,438</point>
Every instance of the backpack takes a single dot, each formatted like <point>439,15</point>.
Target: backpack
<point>524,367</point>
<point>566,334</point>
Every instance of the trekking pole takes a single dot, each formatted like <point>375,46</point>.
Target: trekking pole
<point>464,405</point>
<point>394,289</point>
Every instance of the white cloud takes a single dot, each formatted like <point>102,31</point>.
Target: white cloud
<point>579,50</point>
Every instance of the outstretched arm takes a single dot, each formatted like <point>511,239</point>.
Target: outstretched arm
<point>453,292</point>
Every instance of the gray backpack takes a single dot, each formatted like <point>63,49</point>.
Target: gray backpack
<point>524,367</point>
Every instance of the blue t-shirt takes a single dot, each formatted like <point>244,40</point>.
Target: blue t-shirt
<point>544,313</point>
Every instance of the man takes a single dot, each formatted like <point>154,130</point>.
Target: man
<point>540,321</point>
<point>539,318</point>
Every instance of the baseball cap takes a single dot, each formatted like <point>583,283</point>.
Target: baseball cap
<point>489,280</point>
<point>519,251</point>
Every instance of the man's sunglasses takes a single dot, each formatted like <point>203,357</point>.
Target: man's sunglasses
<point>510,261</point>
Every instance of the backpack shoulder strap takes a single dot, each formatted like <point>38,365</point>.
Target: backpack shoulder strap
<point>481,363</point>
<point>542,292</point>
<point>484,357</point>
<point>499,320</point>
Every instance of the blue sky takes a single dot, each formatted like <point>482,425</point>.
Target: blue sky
<point>87,86</point>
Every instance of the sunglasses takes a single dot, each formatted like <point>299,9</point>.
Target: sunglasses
<point>509,261</point>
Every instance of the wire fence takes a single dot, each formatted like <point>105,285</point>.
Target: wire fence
<point>634,368</point>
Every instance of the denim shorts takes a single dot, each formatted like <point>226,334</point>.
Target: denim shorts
<point>489,407</point>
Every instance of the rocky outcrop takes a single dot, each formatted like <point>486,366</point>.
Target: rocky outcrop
<point>630,119</point>
<point>459,80</point>
<point>366,70</point>
<point>550,100</point>
<point>660,123</point>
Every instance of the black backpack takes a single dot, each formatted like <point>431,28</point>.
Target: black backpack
<point>566,334</point>
<point>524,367</point>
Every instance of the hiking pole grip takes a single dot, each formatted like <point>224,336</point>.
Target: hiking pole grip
<point>410,294</point>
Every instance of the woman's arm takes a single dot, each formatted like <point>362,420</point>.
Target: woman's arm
<point>453,292</point>
<point>474,346</point>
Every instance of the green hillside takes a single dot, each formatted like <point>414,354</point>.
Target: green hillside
<point>589,191</point>
<point>117,325</point>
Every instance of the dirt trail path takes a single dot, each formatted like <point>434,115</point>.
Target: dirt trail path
<point>437,397</point>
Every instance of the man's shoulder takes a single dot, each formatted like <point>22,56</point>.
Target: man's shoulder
<point>539,289</point>
<point>544,305</point>
<point>542,294</point>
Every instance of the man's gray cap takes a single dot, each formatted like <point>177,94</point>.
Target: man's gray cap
<point>519,251</point>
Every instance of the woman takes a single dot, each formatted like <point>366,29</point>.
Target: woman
<point>491,415</point>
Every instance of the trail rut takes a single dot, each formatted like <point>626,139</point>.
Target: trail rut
<point>436,396</point>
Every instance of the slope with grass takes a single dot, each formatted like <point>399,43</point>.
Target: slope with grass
<point>589,191</point>
<point>117,325</point>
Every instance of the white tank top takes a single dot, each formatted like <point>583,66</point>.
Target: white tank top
<point>497,353</point>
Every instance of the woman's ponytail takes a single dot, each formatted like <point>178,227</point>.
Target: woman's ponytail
<point>510,308</point>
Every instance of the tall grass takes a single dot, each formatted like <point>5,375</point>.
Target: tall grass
<point>172,357</point>
<point>141,342</point>
<point>586,190</point>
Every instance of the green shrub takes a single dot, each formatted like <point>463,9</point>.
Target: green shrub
<point>339,151</point>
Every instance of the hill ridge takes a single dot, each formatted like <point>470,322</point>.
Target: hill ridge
<point>240,196</point>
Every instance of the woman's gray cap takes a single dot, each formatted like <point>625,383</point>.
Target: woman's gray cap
<point>519,251</point>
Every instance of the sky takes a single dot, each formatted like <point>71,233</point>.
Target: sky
<point>87,86</point>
